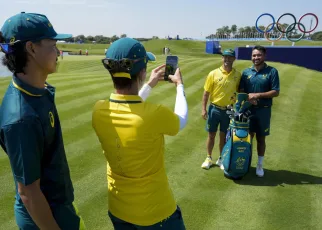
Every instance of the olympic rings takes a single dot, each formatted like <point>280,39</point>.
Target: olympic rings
<point>298,39</point>
<point>289,28</point>
<point>266,32</point>
<point>317,22</point>
<point>258,29</point>
<point>280,19</point>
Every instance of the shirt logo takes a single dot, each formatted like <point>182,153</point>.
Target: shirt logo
<point>264,76</point>
<point>249,76</point>
<point>51,119</point>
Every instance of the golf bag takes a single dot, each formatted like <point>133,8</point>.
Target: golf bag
<point>237,152</point>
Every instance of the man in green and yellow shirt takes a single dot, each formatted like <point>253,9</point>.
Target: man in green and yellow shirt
<point>220,86</point>
<point>30,131</point>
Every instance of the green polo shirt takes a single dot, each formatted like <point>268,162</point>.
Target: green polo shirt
<point>31,136</point>
<point>264,80</point>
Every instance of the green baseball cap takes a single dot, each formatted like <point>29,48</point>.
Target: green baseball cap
<point>28,27</point>
<point>229,52</point>
<point>131,50</point>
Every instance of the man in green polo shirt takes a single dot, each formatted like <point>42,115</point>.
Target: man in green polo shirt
<point>30,131</point>
<point>261,82</point>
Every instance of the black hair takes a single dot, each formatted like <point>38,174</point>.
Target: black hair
<point>123,82</point>
<point>15,61</point>
<point>260,48</point>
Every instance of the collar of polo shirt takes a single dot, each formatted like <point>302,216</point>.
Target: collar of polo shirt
<point>126,99</point>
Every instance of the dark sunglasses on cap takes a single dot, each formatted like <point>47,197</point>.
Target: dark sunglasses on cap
<point>123,65</point>
<point>7,48</point>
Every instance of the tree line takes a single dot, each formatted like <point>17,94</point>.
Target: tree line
<point>251,31</point>
<point>100,39</point>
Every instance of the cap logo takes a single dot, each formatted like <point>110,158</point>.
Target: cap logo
<point>12,40</point>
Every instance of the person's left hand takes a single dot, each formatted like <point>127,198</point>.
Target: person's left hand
<point>157,75</point>
<point>253,98</point>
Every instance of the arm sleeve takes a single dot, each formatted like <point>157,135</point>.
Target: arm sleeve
<point>181,107</point>
<point>24,143</point>
<point>145,91</point>
<point>209,83</point>
<point>238,80</point>
<point>275,81</point>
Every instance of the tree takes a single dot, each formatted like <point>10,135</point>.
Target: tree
<point>90,38</point>
<point>317,36</point>
<point>123,35</point>
<point>220,31</point>
<point>114,38</point>
<point>233,29</point>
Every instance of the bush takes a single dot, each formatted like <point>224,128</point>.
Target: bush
<point>317,36</point>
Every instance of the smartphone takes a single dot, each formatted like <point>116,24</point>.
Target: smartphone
<point>170,66</point>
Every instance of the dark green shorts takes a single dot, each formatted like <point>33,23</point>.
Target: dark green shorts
<point>260,122</point>
<point>217,117</point>
<point>65,215</point>
<point>174,222</point>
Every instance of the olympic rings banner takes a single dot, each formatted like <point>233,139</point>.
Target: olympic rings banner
<point>286,31</point>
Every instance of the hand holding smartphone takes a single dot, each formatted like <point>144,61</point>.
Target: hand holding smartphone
<point>170,67</point>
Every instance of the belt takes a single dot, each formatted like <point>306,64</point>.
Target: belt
<point>262,106</point>
<point>219,107</point>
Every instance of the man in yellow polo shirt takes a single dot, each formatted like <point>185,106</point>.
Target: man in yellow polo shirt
<point>131,132</point>
<point>220,86</point>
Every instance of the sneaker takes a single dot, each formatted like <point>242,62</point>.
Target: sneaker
<point>259,170</point>
<point>219,162</point>
<point>207,163</point>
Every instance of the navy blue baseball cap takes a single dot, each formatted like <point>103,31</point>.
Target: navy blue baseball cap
<point>28,27</point>
<point>129,49</point>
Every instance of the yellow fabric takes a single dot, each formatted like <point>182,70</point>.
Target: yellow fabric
<point>222,86</point>
<point>23,90</point>
<point>131,133</point>
<point>81,221</point>
<point>122,74</point>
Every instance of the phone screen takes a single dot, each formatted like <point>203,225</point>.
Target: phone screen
<point>170,67</point>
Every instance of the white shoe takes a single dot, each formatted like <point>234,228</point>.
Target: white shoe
<point>219,162</point>
<point>259,170</point>
<point>207,163</point>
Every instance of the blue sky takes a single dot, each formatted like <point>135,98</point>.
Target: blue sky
<point>143,18</point>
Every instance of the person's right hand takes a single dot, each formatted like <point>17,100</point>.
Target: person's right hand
<point>157,75</point>
<point>204,114</point>
<point>176,78</point>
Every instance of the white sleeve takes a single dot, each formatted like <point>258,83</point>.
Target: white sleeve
<point>145,91</point>
<point>181,107</point>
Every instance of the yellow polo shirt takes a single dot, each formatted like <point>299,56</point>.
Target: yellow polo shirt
<point>131,133</point>
<point>222,86</point>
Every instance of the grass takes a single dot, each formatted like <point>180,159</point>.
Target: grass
<point>195,48</point>
<point>289,197</point>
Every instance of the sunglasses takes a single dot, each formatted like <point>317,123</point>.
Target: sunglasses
<point>7,48</point>
<point>123,65</point>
